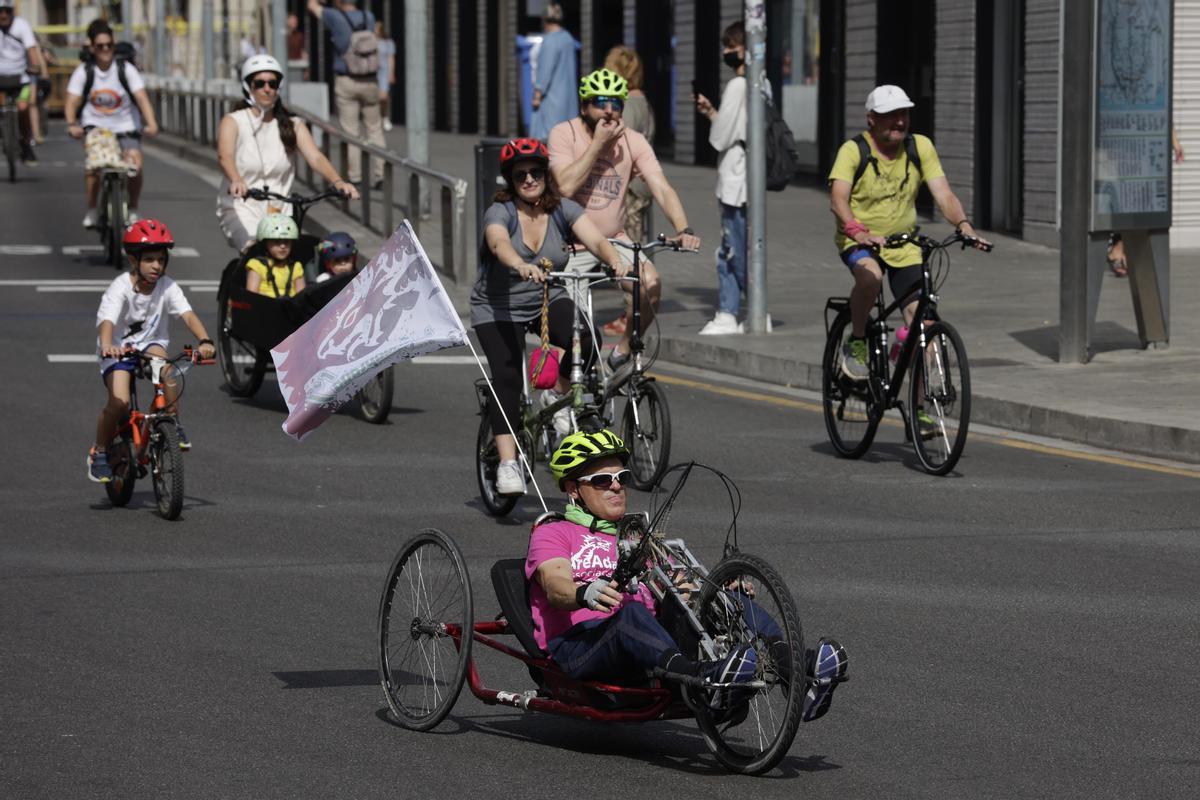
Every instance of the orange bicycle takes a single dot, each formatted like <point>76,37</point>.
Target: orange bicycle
<point>149,442</point>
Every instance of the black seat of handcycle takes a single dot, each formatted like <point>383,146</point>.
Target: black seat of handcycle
<point>512,590</point>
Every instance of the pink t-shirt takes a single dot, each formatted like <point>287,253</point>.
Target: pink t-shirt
<point>591,555</point>
<point>603,192</point>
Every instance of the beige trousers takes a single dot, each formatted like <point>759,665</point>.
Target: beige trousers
<point>360,98</point>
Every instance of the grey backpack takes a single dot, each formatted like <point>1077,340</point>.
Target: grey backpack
<point>362,57</point>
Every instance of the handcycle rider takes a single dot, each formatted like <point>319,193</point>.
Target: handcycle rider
<point>133,315</point>
<point>873,198</point>
<point>527,224</point>
<point>594,632</point>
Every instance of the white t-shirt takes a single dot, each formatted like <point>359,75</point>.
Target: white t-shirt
<point>108,106</point>
<point>14,48</point>
<point>139,320</point>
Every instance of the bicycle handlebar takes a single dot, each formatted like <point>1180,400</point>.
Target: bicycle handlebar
<point>294,199</point>
<point>187,354</point>
<point>661,242</point>
<point>901,239</point>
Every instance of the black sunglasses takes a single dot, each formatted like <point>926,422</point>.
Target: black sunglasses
<point>603,480</point>
<point>103,46</point>
<point>537,173</point>
<point>260,83</point>
<point>615,103</point>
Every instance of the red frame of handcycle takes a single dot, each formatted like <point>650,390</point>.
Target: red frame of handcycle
<point>661,701</point>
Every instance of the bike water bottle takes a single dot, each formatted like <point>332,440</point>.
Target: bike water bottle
<point>901,335</point>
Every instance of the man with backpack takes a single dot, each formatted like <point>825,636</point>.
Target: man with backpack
<point>873,186</point>
<point>355,67</point>
<point>20,58</point>
<point>106,86</point>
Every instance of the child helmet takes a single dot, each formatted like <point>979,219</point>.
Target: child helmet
<point>277,226</point>
<point>337,245</point>
<point>146,234</point>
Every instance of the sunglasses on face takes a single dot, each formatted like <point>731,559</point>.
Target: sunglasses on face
<point>615,103</point>
<point>260,83</point>
<point>537,173</point>
<point>603,480</point>
<point>103,46</point>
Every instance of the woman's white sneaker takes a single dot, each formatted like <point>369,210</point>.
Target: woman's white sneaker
<point>510,481</point>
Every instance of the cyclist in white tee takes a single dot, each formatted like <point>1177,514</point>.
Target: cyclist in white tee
<point>19,56</point>
<point>116,87</point>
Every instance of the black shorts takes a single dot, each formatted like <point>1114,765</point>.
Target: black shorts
<point>902,280</point>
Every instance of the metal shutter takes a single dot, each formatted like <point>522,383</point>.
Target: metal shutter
<point>1185,195</point>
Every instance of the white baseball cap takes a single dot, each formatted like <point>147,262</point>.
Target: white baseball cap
<point>887,98</point>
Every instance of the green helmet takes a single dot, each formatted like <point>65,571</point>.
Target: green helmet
<point>578,450</point>
<point>277,226</point>
<point>603,83</point>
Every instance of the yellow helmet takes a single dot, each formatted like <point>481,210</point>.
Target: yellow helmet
<point>578,450</point>
<point>603,83</point>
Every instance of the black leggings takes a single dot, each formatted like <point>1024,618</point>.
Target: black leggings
<point>503,344</point>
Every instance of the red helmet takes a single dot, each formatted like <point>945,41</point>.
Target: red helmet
<point>523,149</point>
<point>147,234</point>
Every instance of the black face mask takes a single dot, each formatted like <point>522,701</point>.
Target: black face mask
<point>732,59</point>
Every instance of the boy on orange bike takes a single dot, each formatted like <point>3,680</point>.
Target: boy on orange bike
<point>133,314</point>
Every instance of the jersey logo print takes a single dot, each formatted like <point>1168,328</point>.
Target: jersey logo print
<point>106,101</point>
<point>602,185</point>
<point>587,557</point>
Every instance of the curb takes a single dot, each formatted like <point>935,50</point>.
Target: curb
<point>1109,433</point>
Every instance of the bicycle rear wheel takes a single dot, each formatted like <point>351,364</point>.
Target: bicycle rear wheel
<point>166,468</point>
<point>852,413</point>
<point>375,399</point>
<point>123,463</point>
<point>487,460</point>
<point>940,387</point>
<point>744,600</point>
<point>12,135</point>
<point>426,623</point>
<point>115,233</point>
<point>646,428</point>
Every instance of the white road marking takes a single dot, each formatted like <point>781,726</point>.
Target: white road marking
<point>25,250</point>
<point>78,250</point>
<point>79,358</point>
<point>64,358</point>
<point>95,289</point>
<point>82,249</point>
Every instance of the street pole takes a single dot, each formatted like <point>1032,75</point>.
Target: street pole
<point>206,35</point>
<point>1075,201</point>
<point>756,167</point>
<point>278,39</point>
<point>416,90</point>
<point>126,22</point>
<point>160,37</point>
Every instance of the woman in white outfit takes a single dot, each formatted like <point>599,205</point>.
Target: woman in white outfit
<point>256,146</point>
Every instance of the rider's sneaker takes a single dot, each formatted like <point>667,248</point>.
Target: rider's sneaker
<point>619,364</point>
<point>510,480</point>
<point>854,359</point>
<point>562,417</point>
<point>827,668</point>
<point>28,157</point>
<point>184,442</point>
<point>132,216</point>
<point>91,218</point>
<point>738,666</point>
<point>723,323</point>
<point>98,468</point>
<point>929,427</point>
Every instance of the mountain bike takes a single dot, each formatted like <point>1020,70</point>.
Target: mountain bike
<point>645,420</point>
<point>938,412</point>
<point>10,130</point>
<point>148,442</point>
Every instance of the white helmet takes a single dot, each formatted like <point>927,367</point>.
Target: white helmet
<point>255,65</point>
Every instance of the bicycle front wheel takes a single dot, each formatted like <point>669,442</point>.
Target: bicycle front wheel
<point>123,463</point>
<point>939,393</point>
<point>852,413</point>
<point>375,399</point>
<point>745,601</point>
<point>487,460</point>
<point>116,224</point>
<point>646,428</point>
<point>12,135</point>
<point>426,624</point>
<point>166,468</point>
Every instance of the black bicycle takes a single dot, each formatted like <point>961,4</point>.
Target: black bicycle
<point>10,131</point>
<point>939,388</point>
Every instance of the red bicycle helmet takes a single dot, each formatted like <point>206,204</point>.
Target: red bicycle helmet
<point>147,234</point>
<point>523,149</point>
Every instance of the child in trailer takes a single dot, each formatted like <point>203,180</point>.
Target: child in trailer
<point>283,276</point>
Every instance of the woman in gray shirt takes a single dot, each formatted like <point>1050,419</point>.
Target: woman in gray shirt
<point>528,223</point>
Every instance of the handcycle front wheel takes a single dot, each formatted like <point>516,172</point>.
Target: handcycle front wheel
<point>745,601</point>
<point>124,470</point>
<point>375,399</point>
<point>166,468</point>
<point>940,386</point>
<point>646,428</point>
<point>852,413</point>
<point>426,623</point>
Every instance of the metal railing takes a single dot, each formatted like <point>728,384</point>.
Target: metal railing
<point>195,114</point>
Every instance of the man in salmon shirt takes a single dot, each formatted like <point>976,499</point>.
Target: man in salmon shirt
<point>595,632</point>
<point>593,158</point>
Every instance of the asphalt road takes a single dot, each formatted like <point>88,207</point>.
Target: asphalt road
<point>1024,628</point>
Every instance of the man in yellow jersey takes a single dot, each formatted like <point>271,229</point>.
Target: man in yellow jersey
<point>873,191</point>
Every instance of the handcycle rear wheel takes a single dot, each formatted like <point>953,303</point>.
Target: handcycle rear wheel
<point>375,399</point>
<point>487,460</point>
<point>124,470</point>
<point>940,386</point>
<point>166,469</point>
<point>755,742</point>
<point>243,365</point>
<point>852,413</point>
<point>646,428</point>
<point>425,608</point>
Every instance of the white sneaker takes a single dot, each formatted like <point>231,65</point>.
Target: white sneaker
<point>387,124</point>
<point>722,323</point>
<point>510,480</point>
<point>562,417</point>
<point>132,216</point>
<point>91,218</point>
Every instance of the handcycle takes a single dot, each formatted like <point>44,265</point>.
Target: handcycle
<point>10,131</point>
<point>250,324</point>
<point>939,385</point>
<point>427,627</point>
<point>645,421</point>
<point>148,442</point>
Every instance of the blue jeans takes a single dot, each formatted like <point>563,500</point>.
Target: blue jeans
<point>731,259</point>
<point>626,644</point>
